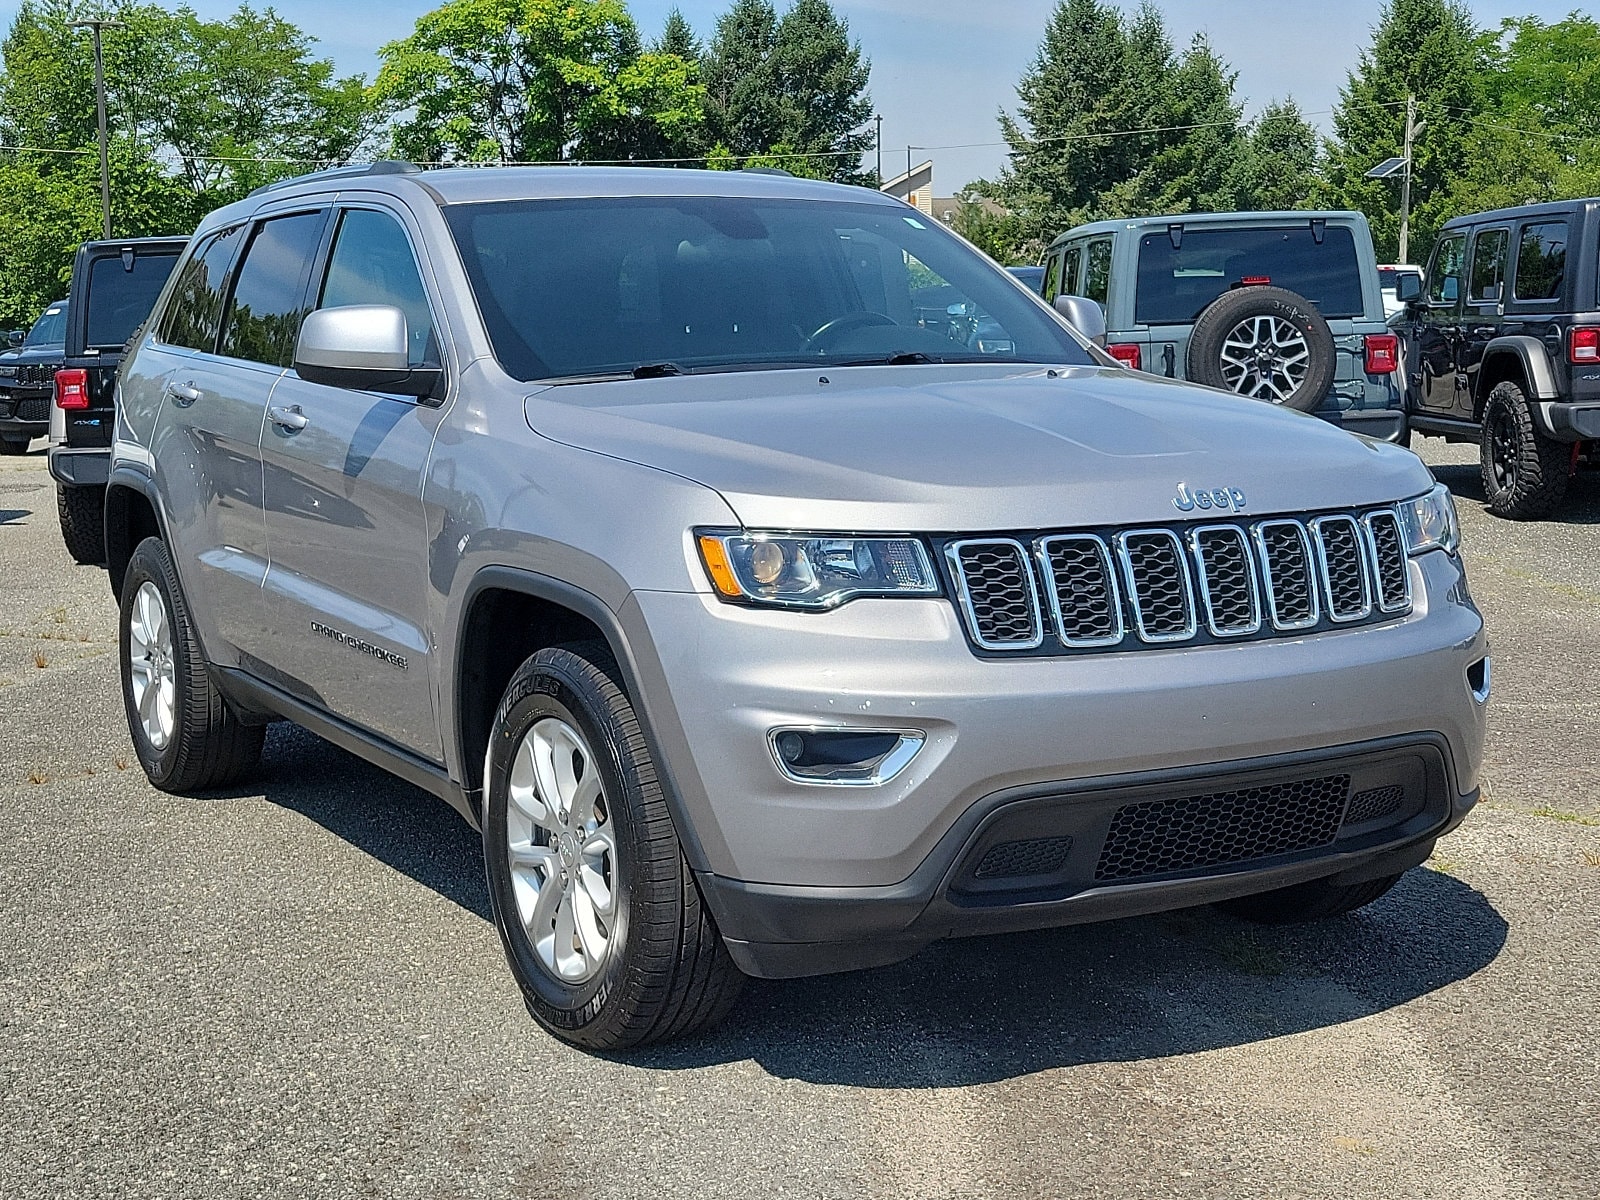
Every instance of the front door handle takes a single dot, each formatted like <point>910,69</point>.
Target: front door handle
<point>182,394</point>
<point>1484,331</point>
<point>288,418</point>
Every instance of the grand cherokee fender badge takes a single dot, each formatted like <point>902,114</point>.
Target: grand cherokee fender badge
<point>1227,499</point>
<point>360,646</point>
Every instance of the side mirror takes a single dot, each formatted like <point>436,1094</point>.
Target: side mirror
<point>1407,287</point>
<point>363,347</point>
<point>15,337</point>
<point>1084,315</point>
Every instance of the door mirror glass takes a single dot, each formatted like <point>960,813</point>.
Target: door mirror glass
<point>14,336</point>
<point>1407,287</point>
<point>365,347</point>
<point>1084,315</point>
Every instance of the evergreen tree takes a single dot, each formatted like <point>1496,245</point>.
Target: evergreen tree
<point>1430,49</point>
<point>1277,165</point>
<point>823,105</point>
<point>678,37</point>
<point>742,110</point>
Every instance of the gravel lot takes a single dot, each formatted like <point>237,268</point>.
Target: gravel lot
<point>295,991</point>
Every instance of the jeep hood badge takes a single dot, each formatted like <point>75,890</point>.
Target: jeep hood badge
<point>1229,499</point>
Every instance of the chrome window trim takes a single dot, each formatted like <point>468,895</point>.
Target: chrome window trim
<point>1371,537</point>
<point>1107,563</point>
<point>1156,639</point>
<point>1259,533</point>
<point>964,595</point>
<point>1320,541</point>
<point>1205,585</point>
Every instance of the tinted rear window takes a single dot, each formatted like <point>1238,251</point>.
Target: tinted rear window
<point>120,297</point>
<point>1176,284</point>
<point>1542,261</point>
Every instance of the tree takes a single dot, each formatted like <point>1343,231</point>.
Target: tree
<point>678,37</point>
<point>741,101</point>
<point>1430,49</point>
<point>1277,165</point>
<point>531,80</point>
<point>823,106</point>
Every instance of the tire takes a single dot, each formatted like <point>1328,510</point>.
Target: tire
<point>1314,901</point>
<point>1524,473</point>
<point>10,446</point>
<point>1297,348</point>
<point>202,744</point>
<point>659,969</point>
<point>83,522</point>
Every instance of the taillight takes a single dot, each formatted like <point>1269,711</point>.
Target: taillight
<point>1383,353</point>
<point>72,388</point>
<point>1583,344</point>
<point>1126,353</point>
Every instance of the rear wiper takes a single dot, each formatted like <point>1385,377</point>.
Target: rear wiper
<point>657,370</point>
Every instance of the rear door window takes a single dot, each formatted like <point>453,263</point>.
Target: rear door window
<point>1070,270</point>
<point>194,310</point>
<point>121,291</point>
<point>269,293</point>
<point>1541,261</point>
<point>1097,271</point>
<point>1488,265</point>
<point>1052,277</point>
<point>1178,282</point>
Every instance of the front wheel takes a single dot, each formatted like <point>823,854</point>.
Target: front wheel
<point>1524,473</point>
<point>600,916</point>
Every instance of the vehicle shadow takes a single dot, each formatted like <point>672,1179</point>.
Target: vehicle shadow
<point>1580,506</point>
<point>984,1009</point>
<point>9,515</point>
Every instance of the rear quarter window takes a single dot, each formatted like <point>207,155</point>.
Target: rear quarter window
<point>1541,261</point>
<point>120,295</point>
<point>1176,283</point>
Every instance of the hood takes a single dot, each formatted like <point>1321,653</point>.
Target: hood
<point>969,449</point>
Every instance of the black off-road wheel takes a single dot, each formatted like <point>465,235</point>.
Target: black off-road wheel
<point>83,522</point>
<point>1524,473</point>
<point>1267,343</point>
<point>1314,901</point>
<point>186,736</point>
<point>600,916</point>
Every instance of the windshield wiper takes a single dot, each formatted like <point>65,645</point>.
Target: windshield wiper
<point>657,370</point>
<point>903,358</point>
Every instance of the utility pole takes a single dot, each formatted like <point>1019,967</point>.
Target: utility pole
<point>100,111</point>
<point>1413,127</point>
<point>879,120</point>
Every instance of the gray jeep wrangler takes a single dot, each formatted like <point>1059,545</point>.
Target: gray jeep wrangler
<point>765,619</point>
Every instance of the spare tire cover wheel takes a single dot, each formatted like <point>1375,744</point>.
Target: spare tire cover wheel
<point>1267,343</point>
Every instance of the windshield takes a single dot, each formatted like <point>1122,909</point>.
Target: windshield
<point>121,293</point>
<point>662,285</point>
<point>50,329</point>
<point>1176,283</point>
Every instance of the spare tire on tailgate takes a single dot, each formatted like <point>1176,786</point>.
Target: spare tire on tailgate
<point>1264,342</point>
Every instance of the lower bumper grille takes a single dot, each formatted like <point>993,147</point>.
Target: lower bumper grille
<point>1161,837</point>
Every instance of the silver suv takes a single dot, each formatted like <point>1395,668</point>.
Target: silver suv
<point>780,586</point>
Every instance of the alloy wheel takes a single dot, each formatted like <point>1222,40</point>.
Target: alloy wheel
<point>562,850</point>
<point>152,673</point>
<point>1266,358</point>
<point>1503,449</point>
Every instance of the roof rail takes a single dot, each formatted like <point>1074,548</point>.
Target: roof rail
<point>767,171</point>
<point>384,166</point>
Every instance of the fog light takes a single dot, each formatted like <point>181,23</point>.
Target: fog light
<point>844,757</point>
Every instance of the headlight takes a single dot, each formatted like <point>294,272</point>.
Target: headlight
<point>796,570</point>
<point>1429,522</point>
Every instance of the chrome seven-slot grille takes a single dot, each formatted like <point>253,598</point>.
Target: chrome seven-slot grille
<point>1066,592</point>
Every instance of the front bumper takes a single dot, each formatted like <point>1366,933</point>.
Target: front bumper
<point>716,679</point>
<point>23,413</point>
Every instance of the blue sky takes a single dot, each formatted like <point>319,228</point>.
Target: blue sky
<point>942,68</point>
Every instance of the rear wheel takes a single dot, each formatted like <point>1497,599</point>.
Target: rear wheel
<point>185,735</point>
<point>83,522</point>
<point>11,446</point>
<point>601,919</point>
<point>1524,473</point>
<point>1313,901</point>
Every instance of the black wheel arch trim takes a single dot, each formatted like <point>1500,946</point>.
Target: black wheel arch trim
<point>131,479</point>
<point>1534,358</point>
<point>655,713</point>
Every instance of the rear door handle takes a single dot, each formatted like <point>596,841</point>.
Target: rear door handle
<point>288,418</point>
<point>1484,331</point>
<point>182,394</point>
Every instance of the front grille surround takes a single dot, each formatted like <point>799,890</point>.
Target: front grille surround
<point>1098,590</point>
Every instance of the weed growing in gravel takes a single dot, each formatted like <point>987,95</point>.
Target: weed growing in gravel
<point>122,764</point>
<point>1591,858</point>
<point>1445,866</point>
<point>1572,818</point>
<point>59,615</point>
<point>39,660</point>
<point>36,776</point>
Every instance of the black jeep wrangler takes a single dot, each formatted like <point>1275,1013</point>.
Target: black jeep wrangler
<point>27,375</point>
<point>114,287</point>
<point>1502,348</point>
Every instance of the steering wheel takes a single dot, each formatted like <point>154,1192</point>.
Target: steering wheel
<point>854,320</point>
